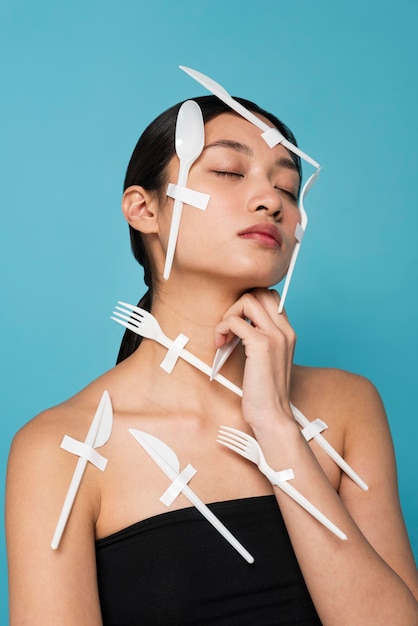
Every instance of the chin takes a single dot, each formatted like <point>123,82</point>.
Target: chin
<point>262,282</point>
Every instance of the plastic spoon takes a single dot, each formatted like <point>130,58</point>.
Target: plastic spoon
<point>189,141</point>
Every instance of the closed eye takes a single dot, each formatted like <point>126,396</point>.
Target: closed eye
<point>226,174</point>
<point>288,193</point>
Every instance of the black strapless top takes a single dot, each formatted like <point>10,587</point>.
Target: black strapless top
<point>176,569</point>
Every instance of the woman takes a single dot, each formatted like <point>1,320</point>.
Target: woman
<point>124,557</point>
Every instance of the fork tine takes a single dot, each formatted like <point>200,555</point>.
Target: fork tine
<point>132,307</point>
<point>131,314</point>
<point>126,324</point>
<point>122,316</point>
<point>127,305</point>
<point>237,433</point>
<point>231,440</point>
<point>232,447</point>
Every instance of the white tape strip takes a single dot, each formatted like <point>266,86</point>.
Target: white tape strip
<point>272,137</point>
<point>282,476</point>
<point>178,485</point>
<point>84,451</point>
<point>174,353</point>
<point>299,232</point>
<point>188,196</point>
<point>314,428</point>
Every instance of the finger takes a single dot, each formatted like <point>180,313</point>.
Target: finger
<point>248,308</point>
<point>231,327</point>
<point>270,299</point>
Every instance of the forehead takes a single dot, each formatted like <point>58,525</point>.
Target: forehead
<point>234,129</point>
<point>232,124</point>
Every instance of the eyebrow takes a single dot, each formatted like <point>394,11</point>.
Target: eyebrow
<point>282,161</point>
<point>234,145</point>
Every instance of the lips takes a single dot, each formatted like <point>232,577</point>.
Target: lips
<point>266,234</point>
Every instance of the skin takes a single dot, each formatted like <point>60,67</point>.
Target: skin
<point>232,273</point>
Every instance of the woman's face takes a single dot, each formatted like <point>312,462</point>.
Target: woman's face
<point>246,233</point>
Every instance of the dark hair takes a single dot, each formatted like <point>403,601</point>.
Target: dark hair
<point>148,168</point>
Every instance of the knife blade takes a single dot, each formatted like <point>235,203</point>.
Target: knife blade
<point>167,460</point>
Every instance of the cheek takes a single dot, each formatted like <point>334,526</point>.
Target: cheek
<point>294,218</point>
<point>165,212</point>
<point>223,209</point>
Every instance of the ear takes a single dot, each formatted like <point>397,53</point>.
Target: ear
<point>140,208</point>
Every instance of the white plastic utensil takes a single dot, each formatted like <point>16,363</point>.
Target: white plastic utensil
<point>144,324</point>
<point>189,141</point>
<point>98,434</point>
<point>249,448</point>
<point>222,355</point>
<point>223,95</point>
<point>304,222</point>
<point>167,460</point>
<point>327,447</point>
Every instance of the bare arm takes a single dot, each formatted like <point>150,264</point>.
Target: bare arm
<point>369,579</point>
<point>47,586</point>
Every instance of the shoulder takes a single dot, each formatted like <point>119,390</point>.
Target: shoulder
<point>38,477</point>
<point>38,466</point>
<point>329,378</point>
<point>40,438</point>
<point>358,426</point>
<point>44,433</point>
<point>336,390</point>
<point>349,403</point>
<point>40,471</point>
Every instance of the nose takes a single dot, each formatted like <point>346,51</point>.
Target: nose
<point>267,199</point>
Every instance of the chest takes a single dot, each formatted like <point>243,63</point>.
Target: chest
<point>133,484</point>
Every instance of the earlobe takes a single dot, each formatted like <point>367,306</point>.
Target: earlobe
<point>139,207</point>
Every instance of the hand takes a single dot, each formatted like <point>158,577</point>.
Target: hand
<point>269,343</point>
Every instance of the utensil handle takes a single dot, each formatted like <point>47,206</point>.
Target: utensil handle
<point>216,523</point>
<point>197,502</point>
<point>308,506</point>
<point>175,221</point>
<point>172,238</point>
<point>327,447</point>
<point>68,502</point>
<point>222,355</point>
<point>206,369</point>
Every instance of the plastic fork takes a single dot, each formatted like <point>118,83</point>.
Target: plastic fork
<point>249,448</point>
<point>304,222</point>
<point>144,324</point>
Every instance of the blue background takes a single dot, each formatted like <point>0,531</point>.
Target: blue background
<point>79,82</point>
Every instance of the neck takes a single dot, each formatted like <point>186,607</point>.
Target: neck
<point>194,310</point>
<point>195,314</point>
